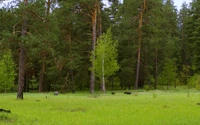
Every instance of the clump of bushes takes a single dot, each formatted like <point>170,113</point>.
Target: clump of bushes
<point>194,81</point>
<point>147,87</point>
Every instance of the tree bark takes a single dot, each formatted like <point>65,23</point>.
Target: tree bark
<point>103,77</point>
<point>94,23</point>
<point>100,32</point>
<point>156,70</point>
<point>43,66</point>
<point>42,71</point>
<point>100,18</point>
<point>22,58</point>
<point>139,43</point>
<point>48,7</point>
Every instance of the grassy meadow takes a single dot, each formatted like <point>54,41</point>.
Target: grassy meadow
<point>173,107</point>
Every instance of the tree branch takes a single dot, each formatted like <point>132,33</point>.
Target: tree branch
<point>39,17</point>
<point>34,29</point>
<point>15,26</point>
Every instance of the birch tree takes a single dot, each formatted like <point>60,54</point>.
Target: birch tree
<point>7,71</point>
<point>105,62</point>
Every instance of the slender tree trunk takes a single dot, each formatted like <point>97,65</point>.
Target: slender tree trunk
<point>48,7</point>
<point>167,85</point>
<point>72,78</point>
<point>22,58</point>
<point>112,84</point>
<point>41,80</point>
<point>43,66</point>
<point>100,32</point>
<point>94,23</point>
<point>103,77</point>
<point>100,18</point>
<point>139,43</point>
<point>156,70</point>
<point>175,84</point>
<point>71,69</point>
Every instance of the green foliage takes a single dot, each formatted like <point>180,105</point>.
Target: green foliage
<point>61,40</point>
<point>185,74</point>
<point>192,31</point>
<point>147,87</point>
<point>168,74</point>
<point>106,56</point>
<point>194,81</point>
<point>33,85</point>
<point>7,71</point>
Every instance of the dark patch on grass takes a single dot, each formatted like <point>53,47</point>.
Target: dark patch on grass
<point>6,111</point>
<point>4,117</point>
<point>94,96</point>
<point>198,104</point>
<point>78,110</point>
<point>34,121</point>
<point>46,96</point>
<point>165,106</point>
<point>128,93</point>
<point>73,110</point>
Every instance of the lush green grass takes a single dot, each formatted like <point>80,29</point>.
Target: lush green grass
<point>140,108</point>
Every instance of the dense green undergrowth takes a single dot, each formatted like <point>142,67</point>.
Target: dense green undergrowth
<point>180,107</point>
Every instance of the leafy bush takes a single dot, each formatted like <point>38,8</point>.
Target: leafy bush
<point>147,87</point>
<point>194,82</point>
<point>33,83</point>
<point>168,75</point>
<point>7,71</point>
<point>197,87</point>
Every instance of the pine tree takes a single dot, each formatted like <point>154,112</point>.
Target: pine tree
<point>192,31</point>
<point>22,56</point>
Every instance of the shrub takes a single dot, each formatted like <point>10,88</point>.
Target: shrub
<point>194,82</point>
<point>7,71</point>
<point>147,87</point>
<point>197,87</point>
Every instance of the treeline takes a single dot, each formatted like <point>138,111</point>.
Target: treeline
<point>49,44</point>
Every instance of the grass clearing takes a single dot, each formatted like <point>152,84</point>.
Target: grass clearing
<point>143,108</point>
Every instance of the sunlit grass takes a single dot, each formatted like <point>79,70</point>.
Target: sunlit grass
<point>144,108</point>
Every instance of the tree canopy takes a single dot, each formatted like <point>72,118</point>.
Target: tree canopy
<point>51,42</point>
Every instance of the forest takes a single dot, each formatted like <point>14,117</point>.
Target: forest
<point>85,45</point>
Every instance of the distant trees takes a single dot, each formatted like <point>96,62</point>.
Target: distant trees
<point>52,42</point>
<point>7,71</point>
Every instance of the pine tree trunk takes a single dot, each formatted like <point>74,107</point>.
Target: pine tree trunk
<point>43,66</point>
<point>71,69</point>
<point>22,59</point>
<point>156,70</point>
<point>139,43</point>
<point>48,7</point>
<point>94,23</point>
<point>72,78</point>
<point>100,19</point>
<point>41,80</point>
<point>138,69</point>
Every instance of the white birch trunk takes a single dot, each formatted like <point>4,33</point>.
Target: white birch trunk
<point>103,79</point>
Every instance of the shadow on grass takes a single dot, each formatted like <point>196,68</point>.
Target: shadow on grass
<point>7,118</point>
<point>72,110</point>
